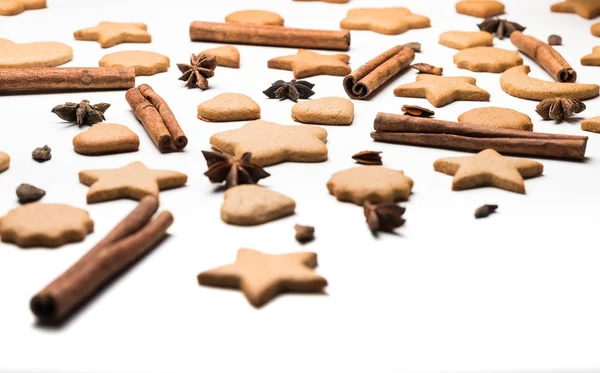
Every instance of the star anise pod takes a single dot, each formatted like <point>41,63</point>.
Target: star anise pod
<point>223,167</point>
<point>383,217</point>
<point>293,90</point>
<point>559,108</point>
<point>81,113</point>
<point>500,27</point>
<point>200,68</point>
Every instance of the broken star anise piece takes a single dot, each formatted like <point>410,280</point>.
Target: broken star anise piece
<point>293,90</point>
<point>383,217</point>
<point>500,27</point>
<point>304,233</point>
<point>425,68</point>
<point>28,193</point>
<point>368,157</point>
<point>417,111</point>
<point>197,72</point>
<point>559,108</point>
<point>223,167</point>
<point>82,113</point>
<point>485,211</point>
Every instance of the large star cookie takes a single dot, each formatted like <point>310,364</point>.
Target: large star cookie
<point>443,90</point>
<point>390,21</point>
<point>306,63</point>
<point>586,8</point>
<point>109,34</point>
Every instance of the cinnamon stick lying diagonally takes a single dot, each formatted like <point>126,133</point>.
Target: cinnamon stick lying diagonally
<point>404,129</point>
<point>128,241</point>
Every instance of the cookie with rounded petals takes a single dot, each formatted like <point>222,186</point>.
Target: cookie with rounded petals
<point>253,205</point>
<point>389,21</point>
<point>466,39</point>
<point>480,8</point>
<point>487,59</point>
<point>497,117</point>
<point>227,56</point>
<point>40,54</point>
<point>255,17</point>
<point>109,34</point>
<point>144,62</point>
<point>106,138</point>
<point>228,107</point>
<point>327,110</point>
<point>14,7</point>
<point>4,162</point>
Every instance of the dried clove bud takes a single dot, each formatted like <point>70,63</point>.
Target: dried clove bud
<point>417,111</point>
<point>304,233</point>
<point>559,108</point>
<point>485,211</point>
<point>425,68</point>
<point>554,40</point>
<point>28,193</point>
<point>416,47</point>
<point>81,113</point>
<point>42,154</point>
<point>383,217</point>
<point>368,157</point>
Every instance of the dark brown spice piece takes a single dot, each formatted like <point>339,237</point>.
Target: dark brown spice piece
<point>368,157</point>
<point>559,108</point>
<point>197,72</point>
<point>223,167</point>
<point>82,113</point>
<point>293,90</point>
<point>500,27</point>
<point>485,211</point>
<point>417,111</point>
<point>42,154</point>
<point>383,217</point>
<point>425,68</point>
<point>304,233</point>
<point>554,40</point>
<point>28,193</point>
<point>416,47</point>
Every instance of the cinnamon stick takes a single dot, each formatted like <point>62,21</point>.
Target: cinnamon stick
<point>126,243</point>
<point>372,75</point>
<point>166,114</point>
<point>55,79</point>
<point>409,130</point>
<point>268,35</point>
<point>545,56</point>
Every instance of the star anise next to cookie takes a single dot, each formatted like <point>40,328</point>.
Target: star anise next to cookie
<point>559,108</point>
<point>384,217</point>
<point>293,90</point>
<point>500,27</point>
<point>234,171</point>
<point>197,72</point>
<point>82,113</point>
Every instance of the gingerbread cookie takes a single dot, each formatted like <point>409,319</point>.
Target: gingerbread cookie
<point>42,54</point>
<point>144,62</point>
<point>496,117</point>
<point>133,181</point>
<point>14,7</point>
<point>516,82</point>
<point>591,125</point>
<point>466,39</point>
<point>261,277</point>
<point>327,110</point>
<point>487,59</point>
<point>251,204</point>
<point>106,138</point>
<point>375,184</point>
<point>592,59</point>
<point>109,34</point>
<point>443,90</point>
<point>226,56</point>
<point>389,21</point>
<point>228,107</point>
<point>255,17</point>
<point>596,29</point>
<point>329,1</point>
<point>306,63</point>
<point>488,168</point>
<point>272,143</point>
<point>589,9</point>
<point>480,8</point>
<point>46,225</point>
<point>4,162</point>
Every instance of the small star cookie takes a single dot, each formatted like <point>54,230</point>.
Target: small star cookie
<point>4,162</point>
<point>480,8</point>
<point>497,117</point>
<point>589,9</point>
<point>389,21</point>
<point>144,62</point>
<point>227,56</point>
<point>228,107</point>
<point>41,54</point>
<point>487,59</point>
<point>14,7</point>
<point>591,125</point>
<point>306,63</point>
<point>253,205</point>
<point>109,34</point>
<point>255,17</point>
<point>466,39</point>
<point>443,90</point>
<point>592,59</point>
<point>489,168</point>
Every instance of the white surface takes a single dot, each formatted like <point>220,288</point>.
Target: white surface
<point>517,292</point>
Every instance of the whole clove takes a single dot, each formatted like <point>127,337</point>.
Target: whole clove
<point>28,193</point>
<point>42,154</point>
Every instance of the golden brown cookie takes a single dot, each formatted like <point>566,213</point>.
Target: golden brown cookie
<point>591,125</point>
<point>516,82</point>
<point>592,59</point>
<point>261,277</point>
<point>443,90</point>
<point>42,54</point>
<point>253,205</point>
<point>109,34</point>
<point>596,29</point>
<point>144,62</point>
<point>375,184</point>
<point>272,143</point>
<point>390,21</point>
<point>329,1</point>
<point>589,9</point>
<point>106,138</point>
<point>133,181</point>
<point>226,56</point>
<point>306,63</point>
<point>480,8</point>
<point>466,39</point>
<point>487,59</point>
<point>4,162</point>
<point>228,107</point>
<point>327,110</point>
<point>14,7</point>
<point>496,117</point>
<point>255,17</point>
<point>488,168</point>
<point>45,224</point>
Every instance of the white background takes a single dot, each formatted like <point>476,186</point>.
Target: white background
<point>517,292</point>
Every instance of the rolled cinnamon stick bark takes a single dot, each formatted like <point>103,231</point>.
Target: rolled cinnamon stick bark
<point>372,75</point>
<point>430,132</point>
<point>545,56</point>
<point>274,36</point>
<point>150,118</point>
<point>127,242</point>
<point>52,79</point>
<point>166,114</point>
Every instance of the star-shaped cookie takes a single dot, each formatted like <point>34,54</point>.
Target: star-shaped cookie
<point>306,63</point>
<point>443,90</point>
<point>272,143</point>
<point>109,34</point>
<point>488,168</point>
<point>589,9</point>
<point>375,184</point>
<point>14,7</point>
<point>261,277</point>
<point>133,181</point>
<point>389,21</point>
<point>487,59</point>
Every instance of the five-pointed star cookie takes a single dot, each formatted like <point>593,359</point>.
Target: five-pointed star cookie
<point>306,63</point>
<point>272,143</point>
<point>133,181</point>
<point>261,277</point>
<point>109,34</point>
<point>390,21</point>
<point>487,59</point>
<point>443,90</point>
<point>592,59</point>
<point>589,9</point>
<point>14,7</point>
<point>488,168</point>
